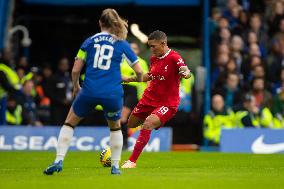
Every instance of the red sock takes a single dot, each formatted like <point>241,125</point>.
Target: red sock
<point>141,142</point>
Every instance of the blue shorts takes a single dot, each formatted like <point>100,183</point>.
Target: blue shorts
<point>83,105</point>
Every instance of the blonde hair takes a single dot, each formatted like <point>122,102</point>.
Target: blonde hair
<point>111,21</point>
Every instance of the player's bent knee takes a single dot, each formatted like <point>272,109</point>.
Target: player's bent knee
<point>151,123</point>
<point>148,125</point>
<point>72,119</point>
<point>130,125</point>
<point>123,120</point>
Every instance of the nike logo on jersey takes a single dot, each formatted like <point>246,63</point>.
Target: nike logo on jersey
<point>136,110</point>
<point>260,147</point>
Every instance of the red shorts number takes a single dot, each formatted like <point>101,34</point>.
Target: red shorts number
<point>163,110</point>
<point>164,113</point>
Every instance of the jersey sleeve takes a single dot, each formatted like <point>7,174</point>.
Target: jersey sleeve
<point>129,55</point>
<point>178,61</point>
<point>152,58</point>
<point>82,53</point>
<point>143,64</point>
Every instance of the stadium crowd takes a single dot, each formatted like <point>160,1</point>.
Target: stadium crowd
<point>247,76</point>
<point>43,97</point>
<point>247,68</point>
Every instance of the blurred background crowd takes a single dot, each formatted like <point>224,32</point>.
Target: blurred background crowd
<point>247,73</point>
<point>247,78</point>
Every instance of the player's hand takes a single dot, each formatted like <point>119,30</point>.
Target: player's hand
<point>76,90</point>
<point>129,79</point>
<point>184,72</point>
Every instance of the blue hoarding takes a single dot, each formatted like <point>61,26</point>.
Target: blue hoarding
<point>252,140</point>
<point>85,139</point>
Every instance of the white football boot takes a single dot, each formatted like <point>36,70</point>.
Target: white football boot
<point>128,165</point>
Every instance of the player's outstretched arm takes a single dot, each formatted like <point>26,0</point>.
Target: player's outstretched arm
<point>184,72</point>
<point>140,76</point>
<point>77,67</point>
<point>139,72</point>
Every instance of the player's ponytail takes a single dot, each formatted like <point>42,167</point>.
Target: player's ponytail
<point>114,23</point>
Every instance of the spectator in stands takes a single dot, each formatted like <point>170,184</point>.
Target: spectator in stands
<point>218,72</point>
<point>223,48</point>
<point>257,71</point>
<point>278,61</point>
<point>237,46</point>
<point>28,70</point>
<point>255,61</point>
<point>251,59</point>
<point>276,12</point>
<point>23,63</point>
<point>217,118</point>
<point>256,26</point>
<point>230,67</point>
<point>263,97</point>
<point>234,16</point>
<point>47,77</point>
<point>250,115</point>
<point>247,66</point>
<point>216,37</point>
<point>232,12</point>
<point>216,15</point>
<point>222,23</point>
<point>20,72</point>
<point>252,39</point>
<point>254,50</point>
<point>30,116</point>
<point>9,83</point>
<point>278,108</point>
<point>60,92</point>
<point>43,102</point>
<point>225,36</point>
<point>230,91</point>
<point>14,111</point>
<point>280,32</point>
<point>277,86</point>
<point>242,23</point>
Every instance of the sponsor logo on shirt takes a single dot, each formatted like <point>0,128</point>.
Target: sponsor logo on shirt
<point>158,77</point>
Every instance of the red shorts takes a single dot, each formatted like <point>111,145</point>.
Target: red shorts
<point>165,113</point>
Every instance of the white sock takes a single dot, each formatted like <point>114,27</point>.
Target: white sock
<point>116,142</point>
<point>64,139</point>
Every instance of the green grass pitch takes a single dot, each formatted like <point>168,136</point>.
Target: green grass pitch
<point>179,170</point>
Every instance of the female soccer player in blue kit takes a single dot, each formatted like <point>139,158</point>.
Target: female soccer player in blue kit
<point>102,53</point>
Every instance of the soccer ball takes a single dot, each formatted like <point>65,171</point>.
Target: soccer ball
<point>105,157</point>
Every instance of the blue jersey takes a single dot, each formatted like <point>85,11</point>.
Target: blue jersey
<point>103,55</point>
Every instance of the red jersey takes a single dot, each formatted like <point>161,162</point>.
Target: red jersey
<point>165,80</point>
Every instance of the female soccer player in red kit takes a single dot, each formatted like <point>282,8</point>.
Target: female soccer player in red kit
<point>161,99</point>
